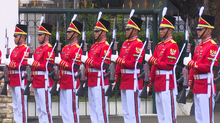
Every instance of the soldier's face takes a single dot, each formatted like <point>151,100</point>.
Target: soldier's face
<point>163,32</point>
<point>96,34</point>
<point>16,38</point>
<point>200,32</point>
<point>69,34</point>
<point>41,38</point>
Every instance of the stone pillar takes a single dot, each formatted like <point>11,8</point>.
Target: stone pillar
<point>6,109</point>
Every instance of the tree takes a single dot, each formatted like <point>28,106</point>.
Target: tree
<point>190,9</point>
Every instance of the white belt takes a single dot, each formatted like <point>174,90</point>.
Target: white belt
<point>129,71</point>
<point>38,72</point>
<point>67,72</point>
<point>94,70</point>
<point>200,76</point>
<point>167,73</point>
<point>15,72</point>
<point>164,72</point>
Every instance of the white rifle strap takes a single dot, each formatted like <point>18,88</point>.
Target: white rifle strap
<point>174,69</point>
<point>102,75</point>
<point>135,68</point>
<point>73,74</point>
<point>211,75</point>
<point>19,70</point>
<point>47,72</point>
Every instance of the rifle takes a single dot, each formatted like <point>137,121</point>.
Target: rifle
<point>217,100</point>
<point>56,67</point>
<point>182,97</point>
<point>28,69</point>
<point>81,90</point>
<point>5,69</point>
<point>112,65</point>
<point>145,73</point>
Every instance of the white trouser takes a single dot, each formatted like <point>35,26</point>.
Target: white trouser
<point>203,107</point>
<point>166,106</point>
<point>98,104</point>
<point>69,106</point>
<point>43,103</point>
<point>19,102</point>
<point>131,106</point>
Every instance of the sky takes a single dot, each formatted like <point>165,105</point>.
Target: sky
<point>8,18</point>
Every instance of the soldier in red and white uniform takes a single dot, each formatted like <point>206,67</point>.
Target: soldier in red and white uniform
<point>41,81</point>
<point>162,61</point>
<point>96,93</point>
<point>68,99</point>
<point>17,59</point>
<point>200,75</point>
<point>125,69</point>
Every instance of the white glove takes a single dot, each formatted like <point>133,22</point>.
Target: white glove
<point>187,91</point>
<point>7,61</point>
<point>187,59</point>
<point>148,89</point>
<point>58,87</point>
<point>113,85</point>
<point>57,59</point>
<point>84,57</point>
<point>114,57</point>
<point>147,56</point>
<point>30,61</point>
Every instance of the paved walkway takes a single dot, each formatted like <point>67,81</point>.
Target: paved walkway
<point>144,119</point>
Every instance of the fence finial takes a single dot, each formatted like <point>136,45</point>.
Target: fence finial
<point>19,2</point>
<point>85,3</point>
<point>58,4</point>
<point>35,3</point>
<point>130,3</point>
<point>145,4</point>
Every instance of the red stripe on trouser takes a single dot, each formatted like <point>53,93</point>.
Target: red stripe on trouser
<point>210,108</point>
<point>47,106</point>
<point>23,106</point>
<point>172,107</point>
<point>74,106</point>
<point>136,106</point>
<point>103,105</point>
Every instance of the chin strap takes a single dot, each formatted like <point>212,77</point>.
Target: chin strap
<point>203,33</point>
<point>72,36</point>
<point>19,40</point>
<point>166,33</point>
<point>131,33</point>
<point>99,35</point>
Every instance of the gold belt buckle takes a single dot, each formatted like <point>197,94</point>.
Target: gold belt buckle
<point>195,76</point>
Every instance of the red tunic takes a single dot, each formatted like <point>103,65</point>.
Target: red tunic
<point>126,60</point>
<point>200,64</point>
<point>68,55</point>
<point>41,56</point>
<point>164,58</point>
<point>16,56</point>
<point>96,54</point>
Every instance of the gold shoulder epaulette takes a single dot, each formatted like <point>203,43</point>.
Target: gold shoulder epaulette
<point>107,43</point>
<point>173,41</point>
<point>66,45</point>
<point>49,45</point>
<point>160,42</point>
<point>213,42</point>
<point>139,40</point>
<point>77,45</point>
